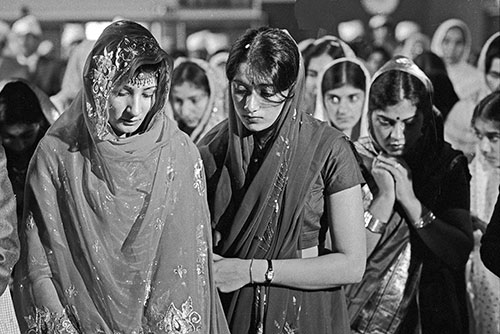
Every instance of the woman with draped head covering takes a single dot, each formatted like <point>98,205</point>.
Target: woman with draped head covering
<point>277,179</point>
<point>457,128</point>
<point>452,41</point>
<point>316,56</point>
<point>341,97</point>
<point>417,217</point>
<point>107,243</point>
<point>197,97</point>
<point>25,115</point>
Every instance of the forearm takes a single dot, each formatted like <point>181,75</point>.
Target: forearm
<point>45,295</point>
<point>321,272</point>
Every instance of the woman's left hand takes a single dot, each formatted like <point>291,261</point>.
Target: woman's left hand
<point>402,177</point>
<point>231,274</point>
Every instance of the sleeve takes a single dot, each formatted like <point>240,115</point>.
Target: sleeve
<point>490,242</point>
<point>341,170</point>
<point>450,237</point>
<point>9,242</point>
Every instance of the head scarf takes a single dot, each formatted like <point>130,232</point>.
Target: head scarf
<point>440,34</point>
<point>335,41</point>
<point>123,252</point>
<point>320,112</point>
<point>214,112</point>
<point>481,63</point>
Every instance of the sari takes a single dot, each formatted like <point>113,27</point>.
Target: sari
<point>214,111</point>
<point>414,279</point>
<point>258,201</point>
<point>105,218</point>
<point>361,127</point>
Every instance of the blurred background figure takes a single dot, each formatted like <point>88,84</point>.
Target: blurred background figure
<point>196,97</point>
<point>405,29</point>
<point>353,33</point>
<point>320,53</point>
<point>416,44</point>
<point>9,67</point>
<point>44,72</point>
<point>483,285</point>
<point>25,115</point>
<point>444,96</point>
<point>457,129</point>
<point>382,32</point>
<point>73,34</point>
<point>377,57</point>
<point>452,42</point>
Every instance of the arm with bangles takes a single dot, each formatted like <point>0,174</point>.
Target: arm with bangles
<point>320,272</point>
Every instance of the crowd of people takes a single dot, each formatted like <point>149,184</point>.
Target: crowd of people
<point>336,185</point>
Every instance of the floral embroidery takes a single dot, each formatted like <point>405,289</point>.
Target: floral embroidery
<point>198,177</point>
<point>202,251</point>
<point>45,321</point>
<point>180,270</point>
<point>181,321</point>
<point>30,221</point>
<point>71,291</point>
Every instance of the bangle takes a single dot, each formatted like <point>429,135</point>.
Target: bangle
<point>373,224</point>
<point>425,220</point>
<point>250,271</point>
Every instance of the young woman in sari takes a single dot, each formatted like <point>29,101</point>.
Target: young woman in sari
<point>341,97</point>
<point>316,56</point>
<point>457,129</point>
<point>9,248</point>
<point>25,115</point>
<point>452,42</point>
<point>107,243</point>
<point>277,179</point>
<point>483,285</point>
<point>417,217</point>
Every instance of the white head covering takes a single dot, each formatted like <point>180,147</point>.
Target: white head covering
<point>27,25</point>
<point>481,63</point>
<point>350,30</point>
<point>405,29</point>
<point>440,33</point>
<point>320,112</point>
<point>348,51</point>
<point>72,32</point>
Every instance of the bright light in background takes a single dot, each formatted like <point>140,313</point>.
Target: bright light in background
<point>94,29</point>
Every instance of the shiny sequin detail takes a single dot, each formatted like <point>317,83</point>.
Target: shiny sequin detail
<point>180,321</point>
<point>30,221</point>
<point>198,177</point>
<point>202,251</point>
<point>45,321</point>
<point>180,271</point>
<point>71,291</point>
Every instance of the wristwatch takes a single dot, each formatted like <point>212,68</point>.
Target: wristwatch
<point>270,272</point>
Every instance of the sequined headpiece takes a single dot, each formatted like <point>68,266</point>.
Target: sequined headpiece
<point>144,79</point>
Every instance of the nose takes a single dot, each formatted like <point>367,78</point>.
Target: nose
<point>343,107</point>
<point>134,106</point>
<point>484,145</point>
<point>398,131</point>
<point>252,103</point>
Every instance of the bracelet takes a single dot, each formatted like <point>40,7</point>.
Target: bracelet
<point>425,220</point>
<point>250,271</point>
<point>373,224</point>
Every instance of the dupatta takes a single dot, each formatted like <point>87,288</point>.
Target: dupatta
<point>106,217</point>
<point>261,218</point>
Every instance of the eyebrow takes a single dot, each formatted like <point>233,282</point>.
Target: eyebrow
<point>392,119</point>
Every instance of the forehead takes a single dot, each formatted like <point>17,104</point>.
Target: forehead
<point>486,125</point>
<point>403,110</point>
<point>344,90</point>
<point>454,33</point>
<point>247,76</point>
<point>186,89</point>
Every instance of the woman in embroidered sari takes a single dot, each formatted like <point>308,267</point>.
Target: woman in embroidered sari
<point>341,96</point>
<point>107,243</point>
<point>196,97</point>
<point>277,179</point>
<point>416,212</point>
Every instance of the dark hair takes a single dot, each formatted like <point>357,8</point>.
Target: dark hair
<point>343,73</point>
<point>430,62</point>
<point>492,53</point>
<point>190,72</point>
<point>330,47</point>
<point>488,108</point>
<point>19,104</point>
<point>272,57</point>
